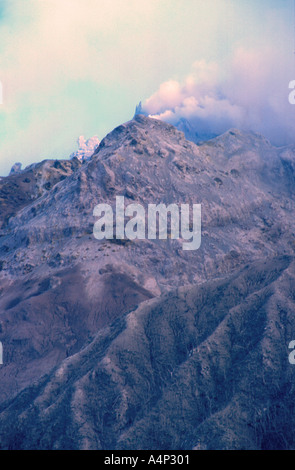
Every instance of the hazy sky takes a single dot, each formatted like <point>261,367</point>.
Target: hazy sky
<point>72,67</point>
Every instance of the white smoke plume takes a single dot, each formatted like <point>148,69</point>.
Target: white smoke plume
<point>250,93</point>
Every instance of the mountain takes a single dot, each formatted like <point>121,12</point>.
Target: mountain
<point>203,368</point>
<point>192,133</point>
<point>16,168</point>
<point>88,322</point>
<point>190,130</point>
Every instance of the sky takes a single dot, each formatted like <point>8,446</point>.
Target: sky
<point>79,67</point>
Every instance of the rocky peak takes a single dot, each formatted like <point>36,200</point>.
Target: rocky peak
<point>16,168</point>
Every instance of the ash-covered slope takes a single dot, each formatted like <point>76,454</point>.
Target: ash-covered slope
<point>205,368</point>
<point>59,286</point>
<point>21,187</point>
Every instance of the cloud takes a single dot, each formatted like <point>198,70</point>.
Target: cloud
<point>76,67</point>
<point>67,68</point>
<point>250,93</point>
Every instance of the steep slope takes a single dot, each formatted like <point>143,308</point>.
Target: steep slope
<point>58,285</point>
<point>205,367</point>
<point>21,187</point>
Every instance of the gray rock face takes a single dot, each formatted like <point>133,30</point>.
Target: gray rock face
<point>61,289</point>
<point>191,133</point>
<point>16,168</point>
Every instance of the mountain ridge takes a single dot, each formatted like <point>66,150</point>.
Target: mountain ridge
<point>60,288</point>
